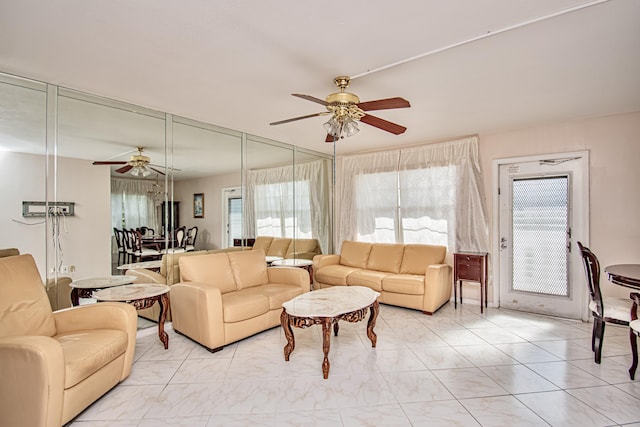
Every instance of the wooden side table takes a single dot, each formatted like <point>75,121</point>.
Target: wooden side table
<point>472,267</point>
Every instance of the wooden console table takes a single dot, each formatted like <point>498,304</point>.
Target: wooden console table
<point>470,266</point>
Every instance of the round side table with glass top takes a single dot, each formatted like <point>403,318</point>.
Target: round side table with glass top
<point>84,288</point>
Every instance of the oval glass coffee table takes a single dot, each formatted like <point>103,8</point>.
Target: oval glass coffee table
<point>326,307</point>
<point>84,288</point>
<point>141,296</point>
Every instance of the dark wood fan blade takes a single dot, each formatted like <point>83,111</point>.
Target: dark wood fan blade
<point>109,163</point>
<point>311,98</point>
<point>156,170</point>
<point>384,104</point>
<point>124,169</point>
<point>299,118</point>
<point>383,124</point>
<point>330,138</point>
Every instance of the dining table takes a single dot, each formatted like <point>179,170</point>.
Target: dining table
<point>627,275</point>
<point>157,242</point>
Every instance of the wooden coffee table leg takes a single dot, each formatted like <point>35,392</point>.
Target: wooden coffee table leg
<point>375,307</point>
<point>164,307</point>
<point>336,328</point>
<point>288,333</point>
<point>326,337</point>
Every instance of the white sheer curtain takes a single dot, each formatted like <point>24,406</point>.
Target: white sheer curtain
<point>132,204</point>
<point>429,194</point>
<point>289,201</point>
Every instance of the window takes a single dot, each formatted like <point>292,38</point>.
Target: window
<point>430,194</point>
<point>411,206</point>
<point>275,213</point>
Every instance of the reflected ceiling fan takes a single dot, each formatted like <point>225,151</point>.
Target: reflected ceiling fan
<point>347,110</point>
<point>138,165</point>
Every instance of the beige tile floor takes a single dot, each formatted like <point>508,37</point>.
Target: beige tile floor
<point>455,368</point>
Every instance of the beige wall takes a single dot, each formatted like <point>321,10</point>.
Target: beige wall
<point>614,154</point>
<point>85,238</point>
<point>209,227</point>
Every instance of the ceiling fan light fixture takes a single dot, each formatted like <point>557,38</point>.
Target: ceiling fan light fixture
<point>350,127</point>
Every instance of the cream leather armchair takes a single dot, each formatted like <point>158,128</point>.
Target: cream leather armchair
<point>55,364</point>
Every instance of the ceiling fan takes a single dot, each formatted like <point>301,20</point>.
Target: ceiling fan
<point>346,110</point>
<point>138,165</point>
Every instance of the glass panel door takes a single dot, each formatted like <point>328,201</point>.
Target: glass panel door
<point>542,213</point>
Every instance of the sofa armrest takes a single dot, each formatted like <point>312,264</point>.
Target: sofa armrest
<point>147,276</point>
<point>197,312</point>
<point>290,276</point>
<point>104,315</point>
<point>322,260</point>
<point>437,283</point>
<point>32,386</point>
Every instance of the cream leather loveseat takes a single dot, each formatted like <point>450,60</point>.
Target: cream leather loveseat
<point>412,276</point>
<point>285,247</point>
<point>169,275</point>
<point>225,297</point>
<point>55,364</point>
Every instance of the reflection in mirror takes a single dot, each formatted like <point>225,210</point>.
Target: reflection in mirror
<point>210,160</point>
<point>286,197</point>
<point>22,165</point>
<point>108,195</point>
<point>231,186</point>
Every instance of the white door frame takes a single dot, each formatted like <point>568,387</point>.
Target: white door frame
<point>580,232</point>
<point>227,193</point>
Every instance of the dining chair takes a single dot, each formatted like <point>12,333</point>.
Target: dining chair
<point>604,309</point>
<point>140,252</point>
<point>179,242</point>
<point>129,243</point>
<point>192,233</point>
<point>634,331</point>
<point>122,251</point>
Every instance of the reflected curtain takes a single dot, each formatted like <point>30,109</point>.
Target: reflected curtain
<point>289,201</point>
<point>133,204</point>
<point>433,194</point>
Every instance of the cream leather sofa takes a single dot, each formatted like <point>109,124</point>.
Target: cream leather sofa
<point>285,247</point>
<point>225,297</point>
<point>412,276</point>
<point>55,364</point>
<point>169,275</point>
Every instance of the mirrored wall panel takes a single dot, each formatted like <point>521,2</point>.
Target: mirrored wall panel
<point>115,178</point>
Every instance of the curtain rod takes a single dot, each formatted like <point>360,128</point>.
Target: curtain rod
<point>483,36</point>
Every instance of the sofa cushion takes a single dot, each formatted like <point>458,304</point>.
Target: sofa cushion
<point>243,304</point>
<point>85,352</point>
<point>24,304</point>
<point>249,268</point>
<point>334,274</point>
<point>263,243</point>
<point>279,247</point>
<point>369,278</point>
<point>212,269</point>
<point>416,258</point>
<point>409,284</point>
<point>278,294</point>
<point>355,254</point>
<point>385,257</point>
<point>170,267</point>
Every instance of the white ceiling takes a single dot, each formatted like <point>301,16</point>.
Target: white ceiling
<point>235,63</point>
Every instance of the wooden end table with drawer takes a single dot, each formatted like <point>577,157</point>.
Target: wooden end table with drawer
<point>472,267</point>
